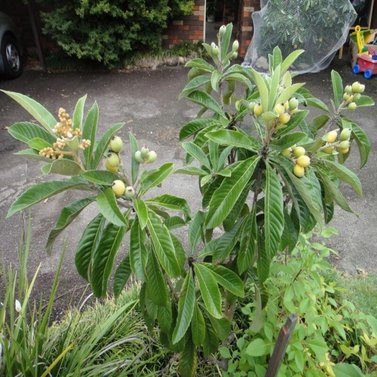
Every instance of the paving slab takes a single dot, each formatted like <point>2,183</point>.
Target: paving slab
<point>147,101</point>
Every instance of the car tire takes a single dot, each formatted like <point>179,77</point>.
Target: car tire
<point>11,56</point>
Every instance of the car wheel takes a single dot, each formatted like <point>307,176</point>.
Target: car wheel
<point>11,56</point>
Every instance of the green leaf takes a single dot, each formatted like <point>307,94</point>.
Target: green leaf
<point>257,347</point>
<point>345,175</point>
<point>236,76</point>
<point>199,63</point>
<point>108,206</point>
<point>188,362</point>
<point>67,215</point>
<point>226,196</point>
<point>41,191</point>
<point>235,139</point>
<point>171,202</point>
<point>228,279</point>
<point>289,60</point>
<point>198,326</point>
<point>142,212</point>
<point>64,167</point>
<point>277,57</point>
<point>196,229</point>
<point>287,141</point>
<point>287,93</point>
<point>121,276</point>
<point>337,87</point>
<point>31,153</point>
<point>274,86</point>
<point>273,212</point>
<point>134,164</point>
<point>347,370</point>
<point>138,252</point>
<point>195,84</point>
<point>100,177</point>
<point>209,290</point>
<point>35,109</point>
<point>163,246</point>
<point>78,113</point>
<point>249,243</point>
<point>196,152</point>
<point>206,100</point>
<point>155,284</point>
<point>38,143</point>
<point>365,101</point>
<point>89,132</point>
<point>262,87</point>
<point>215,80</point>
<point>363,143</point>
<point>186,306</point>
<point>191,170</point>
<point>155,177</point>
<point>87,246</point>
<point>319,122</point>
<point>104,142</point>
<point>225,42</point>
<point>104,256</point>
<point>195,125</point>
<point>25,131</point>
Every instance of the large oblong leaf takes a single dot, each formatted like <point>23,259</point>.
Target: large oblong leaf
<point>171,202</point>
<point>206,100</point>
<point>142,212</point>
<point>121,276</point>
<point>337,87</point>
<point>362,142</point>
<point>155,177</point>
<point>198,326</point>
<point>89,131</point>
<point>209,290</point>
<point>25,131</point>
<point>227,279</point>
<point>235,139</point>
<point>100,177</point>
<point>273,212</point>
<point>226,196</point>
<point>163,245</point>
<point>186,306</point>
<point>197,152</point>
<point>67,215</point>
<point>35,109</point>
<point>262,87</point>
<point>156,289</point>
<point>138,253</point>
<point>104,142</point>
<point>64,167</point>
<point>87,246</point>
<point>109,208</point>
<point>345,175</point>
<point>78,113</point>
<point>194,84</point>
<point>41,191</point>
<point>195,125</point>
<point>104,256</point>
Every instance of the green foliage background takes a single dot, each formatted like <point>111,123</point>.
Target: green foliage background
<point>107,31</point>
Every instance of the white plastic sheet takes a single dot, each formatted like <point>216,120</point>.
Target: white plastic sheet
<point>320,27</point>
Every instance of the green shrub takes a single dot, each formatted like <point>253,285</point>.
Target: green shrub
<point>108,31</point>
<point>330,330</point>
<point>264,185</point>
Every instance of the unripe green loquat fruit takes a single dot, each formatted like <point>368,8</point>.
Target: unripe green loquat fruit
<point>345,134</point>
<point>235,46</point>
<point>352,106</point>
<point>112,163</point>
<point>348,89</point>
<point>303,161</point>
<point>298,171</point>
<point>138,157</point>
<point>152,156</point>
<point>293,103</point>
<point>118,187</point>
<point>344,144</point>
<point>116,144</point>
<point>287,152</point>
<point>130,192</point>
<point>144,153</point>
<point>328,149</point>
<point>299,151</point>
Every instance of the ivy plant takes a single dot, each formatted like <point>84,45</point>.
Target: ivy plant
<point>266,174</point>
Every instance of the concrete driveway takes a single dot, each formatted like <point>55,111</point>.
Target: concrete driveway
<point>148,103</point>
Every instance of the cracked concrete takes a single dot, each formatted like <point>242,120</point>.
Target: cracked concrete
<point>147,101</point>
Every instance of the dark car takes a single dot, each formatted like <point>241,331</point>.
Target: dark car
<point>10,52</point>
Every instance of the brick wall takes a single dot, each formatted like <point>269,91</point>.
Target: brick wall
<point>245,28</point>
<point>188,28</point>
